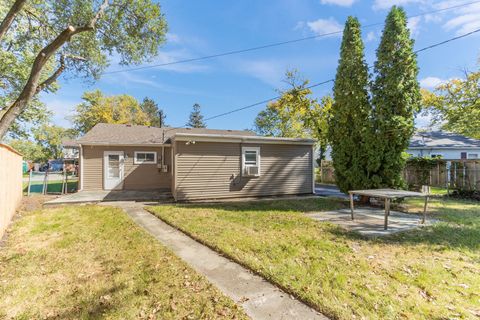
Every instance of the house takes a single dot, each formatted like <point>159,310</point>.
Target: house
<point>70,150</point>
<point>194,163</point>
<point>71,154</point>
<point>449,146</point>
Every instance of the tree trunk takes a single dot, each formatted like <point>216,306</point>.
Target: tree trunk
<point>31,87</point>
<point>8,20</point>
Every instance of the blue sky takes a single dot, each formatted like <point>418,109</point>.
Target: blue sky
<point>199,28</point>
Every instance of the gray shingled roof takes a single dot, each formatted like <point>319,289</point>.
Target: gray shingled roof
<point>104,133</point>
<point>442,139</point>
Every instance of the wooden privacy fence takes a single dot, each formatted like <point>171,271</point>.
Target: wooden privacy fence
<point>10,184</point>
<point>454,174</point>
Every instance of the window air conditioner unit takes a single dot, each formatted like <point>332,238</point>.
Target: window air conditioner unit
<point>252,171</point>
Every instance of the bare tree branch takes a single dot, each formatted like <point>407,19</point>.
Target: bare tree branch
<point>12,13</point>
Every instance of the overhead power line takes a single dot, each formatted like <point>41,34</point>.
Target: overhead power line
<point>276,44</point>
<point>327,81</point>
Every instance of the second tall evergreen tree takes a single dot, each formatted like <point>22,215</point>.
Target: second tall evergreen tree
<point>349,128</point>
<point>396,98</point>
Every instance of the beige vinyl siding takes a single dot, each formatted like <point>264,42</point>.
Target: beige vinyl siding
<point>136,176</point>
<point>209,170</point>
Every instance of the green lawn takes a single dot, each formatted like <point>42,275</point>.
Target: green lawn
<point>93,262</point>
<point>432,273</point>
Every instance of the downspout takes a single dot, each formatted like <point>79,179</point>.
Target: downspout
<point>313,169</point>
<point>81,168</point>
<point>163,157</point>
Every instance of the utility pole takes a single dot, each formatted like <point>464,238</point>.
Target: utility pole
<point>160,117</point>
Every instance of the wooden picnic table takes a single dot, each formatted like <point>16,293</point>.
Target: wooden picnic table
<point>388,195</point>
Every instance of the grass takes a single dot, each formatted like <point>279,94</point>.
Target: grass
<point>430,273</point>
<point>93,262</point>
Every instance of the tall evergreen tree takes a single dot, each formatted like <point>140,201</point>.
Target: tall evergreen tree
<point>396,98</point>
<point>156,115</point>
<point>350,115</point>
<point>196,118</point>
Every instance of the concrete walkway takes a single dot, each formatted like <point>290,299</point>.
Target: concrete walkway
<point>329,190</point>
<point>259,298</point>
<point>102,195</point>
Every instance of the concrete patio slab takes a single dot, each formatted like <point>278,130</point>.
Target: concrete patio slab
<point>329,190</point>
<point>102,196</point>
<point>259,298</point>
<point>369,221</point>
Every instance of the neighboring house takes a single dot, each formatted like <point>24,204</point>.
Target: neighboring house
<point>194,163</point>
<point>449,146</point>
<point>70,150</point>
<point>71,155</point>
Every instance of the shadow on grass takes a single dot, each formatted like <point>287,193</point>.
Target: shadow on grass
<point>300,205</point>
<point>456,227</point>
<point>92,305</point>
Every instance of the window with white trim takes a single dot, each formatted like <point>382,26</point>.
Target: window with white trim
<point>145,157</point>
<point>472,156</point>
<point>251,161</point>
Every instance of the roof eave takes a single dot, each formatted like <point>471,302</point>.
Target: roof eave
<point>240,139</point>
<point>109,144</point>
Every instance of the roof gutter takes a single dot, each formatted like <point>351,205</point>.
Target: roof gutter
<point>108,144</point>
<point>240,139</point>
<point>443,148</point>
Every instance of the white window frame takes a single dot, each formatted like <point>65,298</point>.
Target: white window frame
<point>471,154</point>
<point>244,165</point>
<point>136,161</point>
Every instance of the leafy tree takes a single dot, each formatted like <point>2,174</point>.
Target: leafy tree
<point>98,108</point>
<point>396,98</point>
<point>275,122</point>
<point>50,137</point>
<point>30,150</point>
<point>455,105</point>
<point>349,127</point>
<point>42,39</point>
<point>196,118</point>
<point>156,115</point>
<point>296,114</point>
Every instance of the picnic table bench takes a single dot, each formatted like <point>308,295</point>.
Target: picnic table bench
<point>388,195</point>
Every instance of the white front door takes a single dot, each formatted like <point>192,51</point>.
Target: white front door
<point>113,162</point>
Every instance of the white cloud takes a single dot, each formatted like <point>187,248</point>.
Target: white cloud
<point>326,26</point>
<point>431,82</point>
<point>62,109</point>
<point>129,80</point>
<point>269,71</point>
<point>173,38</point>
<point>371,36</point>
<point>387,4</point>
<point>343,3</point>
<point>166,57</point>
<point>414,26</point>
<point>464,19</point>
